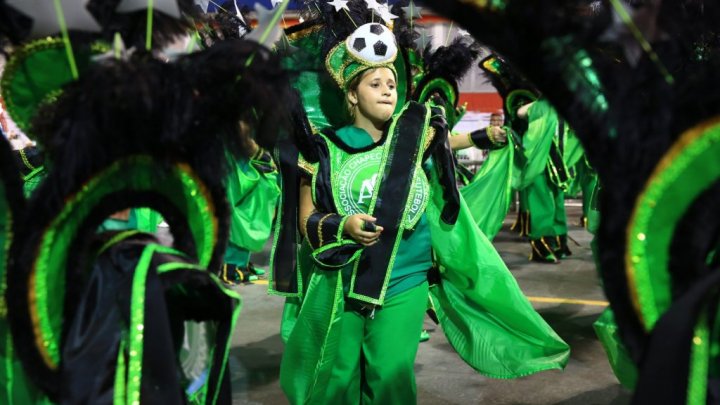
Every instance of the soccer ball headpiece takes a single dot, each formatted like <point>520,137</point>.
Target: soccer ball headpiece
<point>370,46</point>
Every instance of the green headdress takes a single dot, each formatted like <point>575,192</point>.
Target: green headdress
<point>36,73</point>
<point>370,46</point>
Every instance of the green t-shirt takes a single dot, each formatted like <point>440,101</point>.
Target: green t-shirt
<point>414,255</point>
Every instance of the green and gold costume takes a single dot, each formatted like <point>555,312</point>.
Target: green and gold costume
<point>552,152</point>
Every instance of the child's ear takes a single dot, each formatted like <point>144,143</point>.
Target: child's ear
<point>352,97</point>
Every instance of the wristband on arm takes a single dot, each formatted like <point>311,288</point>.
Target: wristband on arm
<point>323,228</point>
<point>482,140</point>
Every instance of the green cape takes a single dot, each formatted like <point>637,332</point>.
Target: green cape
<point>489,194</point>
<point>253,196</point>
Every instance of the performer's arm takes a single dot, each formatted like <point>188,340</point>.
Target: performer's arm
<point>490,137</point>
<point>306,205</point>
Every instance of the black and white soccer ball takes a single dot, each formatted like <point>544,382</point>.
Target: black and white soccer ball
<point>374,43</point>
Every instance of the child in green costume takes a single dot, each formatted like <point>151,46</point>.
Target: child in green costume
<point>383,225</point>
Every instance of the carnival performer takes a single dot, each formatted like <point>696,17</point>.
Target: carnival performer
<point>383,224</point>
<point>252,193</point>
<point>556,151</point>
<point>490,192</point>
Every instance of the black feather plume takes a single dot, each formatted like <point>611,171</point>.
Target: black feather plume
<point>188,110</point>
<point>452,62</point>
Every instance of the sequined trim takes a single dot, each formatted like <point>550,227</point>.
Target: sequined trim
<point>296,36</point>
<point>429,137</point>
<point>306,166</point>
<point>47,269</point>
<point>646,255</point>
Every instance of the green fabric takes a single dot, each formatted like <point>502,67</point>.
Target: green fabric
<point>489,194</point>
<point>589,187</point>
<point>384,347</point>
<point>142,219</point>
<point>33,180</point>
<point>237,256</point>
<point>413,260</point>
<point>313,343</point>
<point>253,197</point>
<point>697,390</point>
<point>354,137</point>
<point>542,125</point>
<point>112,224</point>
<point>414,257</point>
<point>546,203</point>
<point>574,152</point>
<point>623,367</point>
<point>15,387</point>
<point>522,200</point>
<point>482,311</point>
<point>291,310</point>
<point>135,329</point>
<point>583,174</point>
<point>145,219</point>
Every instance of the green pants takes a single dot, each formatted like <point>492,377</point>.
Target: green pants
<point>376,356</point>
<point>546,203</point>
<point>236,255</point>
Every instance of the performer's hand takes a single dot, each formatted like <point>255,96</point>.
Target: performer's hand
<point>497,135</point>
<point>354,228</point>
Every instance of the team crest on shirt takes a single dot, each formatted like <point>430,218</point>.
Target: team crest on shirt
<point>357,178</point>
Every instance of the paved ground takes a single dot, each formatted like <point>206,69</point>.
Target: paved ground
<point>441,376</point>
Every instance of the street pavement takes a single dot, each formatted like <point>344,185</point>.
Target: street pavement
<point>567,295</point>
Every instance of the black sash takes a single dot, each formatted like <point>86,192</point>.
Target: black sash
<point>394,190</point>
<point>283,257</point>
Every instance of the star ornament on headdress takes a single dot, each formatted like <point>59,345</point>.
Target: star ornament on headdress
<point>169,7</point>
<point>45,17</point>
<point>385,14</point>
<point>423,39</point>
<point>267,32</point>
<point>412,11</point>
<point>373,5</point>
<point>339,5</point>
